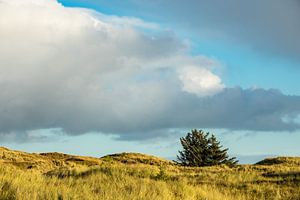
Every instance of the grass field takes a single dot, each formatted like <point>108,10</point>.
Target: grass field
<point>136,176</point>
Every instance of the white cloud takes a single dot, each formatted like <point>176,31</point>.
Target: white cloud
<point>74,69</point>
<point>200,81</point>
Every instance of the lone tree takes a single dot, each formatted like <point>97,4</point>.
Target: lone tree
<point>201,149</point>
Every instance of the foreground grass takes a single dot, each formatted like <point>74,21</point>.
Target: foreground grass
<point>136,176</point>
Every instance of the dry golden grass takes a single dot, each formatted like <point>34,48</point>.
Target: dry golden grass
<point>137,176</point>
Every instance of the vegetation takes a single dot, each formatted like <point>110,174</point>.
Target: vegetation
<point>201,149</point>
<point>60,176</point>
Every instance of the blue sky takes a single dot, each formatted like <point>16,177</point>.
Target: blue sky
<point>137,75</point>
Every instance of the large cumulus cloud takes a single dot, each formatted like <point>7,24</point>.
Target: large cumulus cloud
<point>81,71</point>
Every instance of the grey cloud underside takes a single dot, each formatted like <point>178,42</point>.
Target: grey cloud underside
<point>272,26</point>
<point>234,108</point>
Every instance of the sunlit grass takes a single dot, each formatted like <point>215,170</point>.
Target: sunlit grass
<point>137,176</point>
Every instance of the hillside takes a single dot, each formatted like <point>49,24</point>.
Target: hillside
<point>138,176</point>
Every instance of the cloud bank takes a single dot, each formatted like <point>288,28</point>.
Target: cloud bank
<point>80,71</point>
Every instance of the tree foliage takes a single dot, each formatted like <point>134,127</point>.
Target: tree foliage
<point>203,149</point>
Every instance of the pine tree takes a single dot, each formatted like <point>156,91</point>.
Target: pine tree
<point>201,150</point>
<point>217,155</point>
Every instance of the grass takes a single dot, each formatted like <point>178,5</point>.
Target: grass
<point>138,176</point>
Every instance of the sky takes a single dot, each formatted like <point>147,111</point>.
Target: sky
<point>99,77</point>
